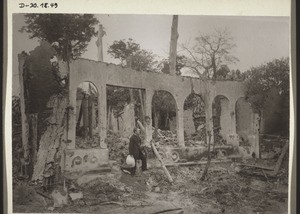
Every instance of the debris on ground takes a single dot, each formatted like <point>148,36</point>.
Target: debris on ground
<point>166,138</point>
<point>117,147</point>
<point>88,142</point>
<point>196,139</point>
<point>229,187</point>
<point>60,198</point>
<point>102,190</point>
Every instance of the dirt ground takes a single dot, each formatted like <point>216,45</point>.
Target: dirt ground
<point>226,190</point>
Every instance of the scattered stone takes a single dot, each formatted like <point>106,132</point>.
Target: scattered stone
<point>156,189</point>
<point>76,195</point>
<point>51,208</point>
<point>59,198</point>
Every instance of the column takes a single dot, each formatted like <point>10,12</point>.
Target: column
<point>148,102</point>
<point>102,111</point>
<point>148,111</point>
<point>180,123</point>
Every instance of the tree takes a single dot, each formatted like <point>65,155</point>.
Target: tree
<point>259,83</point>
<point>180,63</point>
<point>222,72</point>
<point>262,78</point>
<point>130,54</point>
<point>205,58</point>
<point>210,52</point>
<point>68,33</point>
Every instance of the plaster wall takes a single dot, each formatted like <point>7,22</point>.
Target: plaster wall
<point>102,74</point>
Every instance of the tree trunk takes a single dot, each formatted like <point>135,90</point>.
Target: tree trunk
<point>162,163</point>
<point>214,66</point>
<point>142,107</point>
<point>109,111</point>
<point>173,45</point>
<point>25,127</point>
<point>51,144</point>
<point>85,116</point>
<point>90,114</point>
<point>208,157</point>
<point>33,124</point>
<point>131,96</point>
<point>79,116</point>
<point>155,124</point>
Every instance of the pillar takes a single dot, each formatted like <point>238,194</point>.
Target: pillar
<point>148,111</point>
<point>180,122</point>
<point>102,115</point>
<point>148,102</point>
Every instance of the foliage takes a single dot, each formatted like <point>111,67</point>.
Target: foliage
<point>180,63</point>
<point>41,80</point>
<point>117,97</point>
<point>130,54</point>
<point>222,72</point>
<point>68,33</point>
<point>210,52</point>
<point>122,49</point>
<point>262,78</point>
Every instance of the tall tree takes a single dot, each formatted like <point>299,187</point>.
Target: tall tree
<point>173,45</point>
<point>68,33</point>
<point>259,82</point>
<point>130,54</point>
<point>180,63</point>
<point>262,78</point>
<point>210,52</point>
<point>205,58</point>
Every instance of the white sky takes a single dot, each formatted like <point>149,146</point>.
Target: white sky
<point>258,39</point>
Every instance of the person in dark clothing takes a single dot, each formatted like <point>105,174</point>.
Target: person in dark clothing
<point>136,151</point>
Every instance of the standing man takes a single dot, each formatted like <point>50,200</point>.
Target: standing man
<point>135,150</point>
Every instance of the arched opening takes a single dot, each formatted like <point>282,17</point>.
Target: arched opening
<point>194,120</point>
<point>87,119</point>
<point>221,119</point>
<point>243,113</point>
<point>124,106</point>
<point>164,117</point>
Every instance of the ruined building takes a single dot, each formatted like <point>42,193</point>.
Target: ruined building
<point>239,126</point>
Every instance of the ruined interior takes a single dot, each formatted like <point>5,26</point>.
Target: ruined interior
<point>225,105</point>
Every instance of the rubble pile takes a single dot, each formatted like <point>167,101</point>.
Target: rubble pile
<point>271,146</point>
<point>102,190</point>
<point>157,181</point>
<point>196,139</point>
<point>223,187</point>
<point>88,143</point>
<point>117,146</point>
<point>166,138</point>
